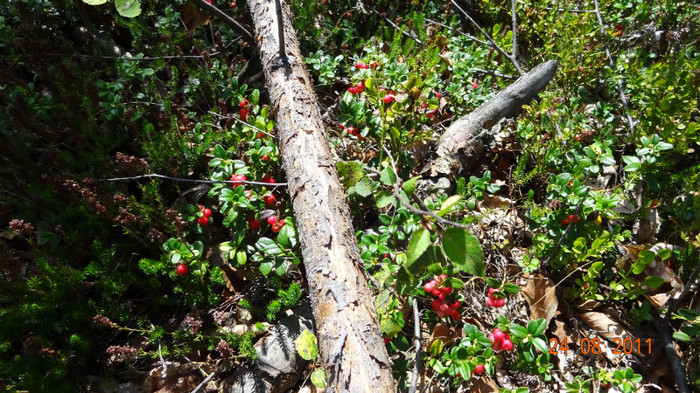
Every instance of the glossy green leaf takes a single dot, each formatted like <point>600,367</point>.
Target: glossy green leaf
<point>318,378</point>
<point>448,204</point>
<point>464,251</point>
<point>410,185</point>
<point>388,177</point>
<point>420,241</point>
<point>94,2</point>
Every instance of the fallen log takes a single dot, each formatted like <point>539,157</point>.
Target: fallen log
<point>350,342</point>
<point>461,144</point>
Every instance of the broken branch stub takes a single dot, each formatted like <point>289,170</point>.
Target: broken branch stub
<point>462,138</point>
<point>350,342</point>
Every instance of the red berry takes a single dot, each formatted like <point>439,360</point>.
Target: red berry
<point>243,113</point>
<point>264,158</point>
<point>253,224</point>
<point>233,5</point>
<point>445,308</point>
<point>207,212</point>
<point>374,64</point>
<point>442,296</point>
<point>269,199</point>
<point>388,98</point>
<point>498,303</point>
<point>475,86</point>
<point>479,369</point>
<point>455,315</point>
<point>446,290</point>
<point>492,290</point>
<point>575,219</point>
<point>440,314</point>
<point>201,208</point>
<point>507,345</point>
<point>259,135</point>
<point>436,304</point>
<point>272,220</point>
<point>489,302</point>
<point>436,292</point>
<point>428,287</point>
<point>360,65</point>
<point>442,277</point>
<point>498,334</point>
<point>243,103</point>
<point>564,222</point>
<point>387,340</point>
<point>278,226</point>
<point>455,304</point>
<point>506,337</point>
<point>491,337</point>
<point>237,179</point>
<point>431,114</point>
<point>352,90</point>
<point>209,1</point>
<point>248,194</point>
<point>182,270</point>
<point>203,221</point>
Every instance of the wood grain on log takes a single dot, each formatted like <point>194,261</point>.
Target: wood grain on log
<point>350,341</point>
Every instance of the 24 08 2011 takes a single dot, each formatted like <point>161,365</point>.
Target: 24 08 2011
<point>626,345</point>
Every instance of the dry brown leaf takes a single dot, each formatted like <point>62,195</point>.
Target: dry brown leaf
<point>539,291</point>
<point>444,332</point>
<point>193,17</point>
<point>484,385</point>
<point>607,327</point>
<point>587,305</point>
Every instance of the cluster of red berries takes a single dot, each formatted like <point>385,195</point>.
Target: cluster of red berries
<point>358,88</point>
<point>238,180</point>
<point>500,340</point>
<point>275,224</point>
<point>442,306</point>
<point>494,301</point>
<point>619,30</point>
<point>243,112</point>
<point>182,270</point>
<point>572,218</point>
<point>352,131</point>
<point>206,213</point>
<point>361,66</point>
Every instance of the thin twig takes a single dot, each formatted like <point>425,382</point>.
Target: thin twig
<point>206,380</point>
<point>691,281</point>
<point>488,37</point>
<point>242,122</point>
<point>471,37</point>
<point>153,175</point>
<point>514,29</point>
<point>409,35</point>
<point>611,63</point>
<point>496,74</point>
<point>128,58</point>
<point>416,339</point>
<point>662,327</point>
<point>228,21</point>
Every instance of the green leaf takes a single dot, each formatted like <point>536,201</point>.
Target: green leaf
<point>464,250</point>
<point>287,236</point>
<point>420,241</point>
<point>307,345</point>
<point>537,327</point>
<point>410,185</point>
<point>128,8</point>
<point>653,281</point>
<point>219,151</point>
<point>448,204</point>
<point>268,246</point>
<point>94,2</point>
<point>453,282</point>
<point>436,348</point>
<point>318,378</point>
<point>518,331</point>
<point>388,177</point>
<point>681,336</point>
<point>511,288</point>
<point>364,187</point>
<point>350,172</point>
<point>541,345</point>
<point>266,268</point>
<point>384,199</point>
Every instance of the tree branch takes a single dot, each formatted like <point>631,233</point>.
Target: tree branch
<point>416,340</point>
<point>488,37</point>
<point>153,175</point>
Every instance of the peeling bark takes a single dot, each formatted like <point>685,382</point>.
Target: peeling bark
<point>460,141</point>
<point>350,341</point>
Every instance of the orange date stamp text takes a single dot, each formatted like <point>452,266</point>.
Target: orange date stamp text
<point>587,346</point>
